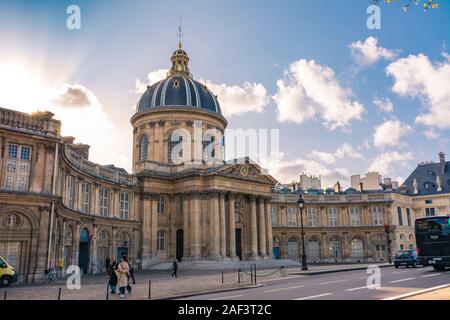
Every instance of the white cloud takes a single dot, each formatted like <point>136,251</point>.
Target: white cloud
<point>384,105</point>
<point>346,150</point>
<point>389,133</point>
<point>369,52</point>
<point>390,163</point>
<point>286,171</point>
<point>236,100</point>
<point>73,96</point>
<point>310,90</point>
<point>431,134</point>
<point>152,78</point>
<point>417,77</point>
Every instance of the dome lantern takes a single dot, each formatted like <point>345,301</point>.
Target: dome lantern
<point>180,63</point>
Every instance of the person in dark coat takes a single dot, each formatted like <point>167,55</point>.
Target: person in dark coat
<point>107,264</point>
<point>112,275</point>
<point>131,272</point>
<point>175,268</point>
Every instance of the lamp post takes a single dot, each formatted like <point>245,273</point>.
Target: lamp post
<point>387,229</point>
<point>301,205</point>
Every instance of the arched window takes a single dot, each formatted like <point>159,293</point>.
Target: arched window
<point>357,248</point>
<point>175,155</point>
<point>335,248</point>
<point>313,250</point>
<point>292,248</point>
<point>161,240</point>
<point>209,152</point>
<point>143,148</point>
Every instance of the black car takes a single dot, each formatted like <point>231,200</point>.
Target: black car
<point>406,258</point>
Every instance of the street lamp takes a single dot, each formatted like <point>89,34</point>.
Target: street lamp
<point>387,229</point>
<point>301,205</point>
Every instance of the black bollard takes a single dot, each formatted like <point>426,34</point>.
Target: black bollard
<point>222,277</point>
<point>255,274</point>
<point>4,297</point>
<point>59,293</point>
<point>107,291</point>
<point>251,274</point>
<point>149,289</point>
<point>239,275</point>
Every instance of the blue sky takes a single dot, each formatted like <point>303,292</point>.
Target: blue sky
<point>234,42</point>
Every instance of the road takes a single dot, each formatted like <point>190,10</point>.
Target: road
<point>348,285</point>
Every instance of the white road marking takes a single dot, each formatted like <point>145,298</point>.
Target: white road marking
<point>401,280</point>
<point>228,297</point>
<point>281,289</point>
<point>354,289</point>
<point>431,275</point>
<point>335,281</point>
<point>400,272</point>
<point>316,296</point>
<point>413,293</point>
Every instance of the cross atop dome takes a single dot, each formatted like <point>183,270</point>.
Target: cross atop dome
<point>180,59</point>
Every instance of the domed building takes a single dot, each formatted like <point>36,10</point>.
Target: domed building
<point>182,201</point>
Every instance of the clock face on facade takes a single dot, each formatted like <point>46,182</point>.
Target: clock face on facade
<point>244,171</point>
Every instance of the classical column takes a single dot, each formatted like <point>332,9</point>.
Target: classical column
<point>231,227</point>
<point>76,243</point>
<point>154,228</point>
<point>42,250</point>
<point>214,229</point>
<point>186,230</point>
<point>253,229</point>
<point>269,236</point>
<point>223,226</point>
<point>195,227</point>
<point>112,248</point>
<point>261,228</point>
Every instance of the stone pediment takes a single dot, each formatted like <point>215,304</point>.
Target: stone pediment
<point>247,171</point>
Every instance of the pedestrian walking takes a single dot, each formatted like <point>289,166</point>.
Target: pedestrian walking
<point>131,273</point>
<point>113,275</point>
<point>107,264</point>
<point>122,271</point>
<point>175,268</point>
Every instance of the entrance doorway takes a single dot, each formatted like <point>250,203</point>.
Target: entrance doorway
<point>122,251</point>
<point>180,245</point>
<point>239,243</point>
<point>83,255</point>
<point>276,252</point>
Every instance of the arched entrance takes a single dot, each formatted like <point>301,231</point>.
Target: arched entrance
<point>83,254</point>
<point>179,245</point>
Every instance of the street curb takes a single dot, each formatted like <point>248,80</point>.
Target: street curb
<point>210,292</point>
<point>417,293</point>
<point>312,273</point>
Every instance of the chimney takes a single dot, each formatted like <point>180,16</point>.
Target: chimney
<point>361,187</point>
<point>442,162</point>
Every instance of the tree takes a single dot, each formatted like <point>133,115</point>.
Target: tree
<point>425,4</point>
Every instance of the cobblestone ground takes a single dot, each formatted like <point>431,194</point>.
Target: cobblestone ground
<point>442,294</point>
<point>93,287</point>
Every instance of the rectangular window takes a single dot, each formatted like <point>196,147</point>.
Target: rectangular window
<point>70,191</point>
<point>408,216</point>
<point>86,197</point>
<point>377,214</point>
<point>292,219</point>
<point>17,169</point>
<point>274,217</point>
<point>355,217</point>
<point>428,201</point>
<point>430,212</point>
<point>13,151</point>
<point>124,205</point>
<point>332,217</point>
<point>399,216</point>
<point>312,217</point>
<point>104,201</point>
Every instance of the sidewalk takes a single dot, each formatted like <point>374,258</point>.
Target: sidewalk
<point>93,287</point>
<point>441,294</point>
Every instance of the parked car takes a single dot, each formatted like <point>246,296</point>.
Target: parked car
<point>406,258</point>
<point>8,274</point>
